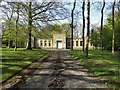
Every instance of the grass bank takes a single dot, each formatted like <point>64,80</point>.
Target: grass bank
<point>104,65</point>
<point>13,61</point>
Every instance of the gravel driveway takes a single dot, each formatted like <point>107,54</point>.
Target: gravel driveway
<point>60,70</point>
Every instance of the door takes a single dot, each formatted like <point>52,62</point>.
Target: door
<point>59,44</point>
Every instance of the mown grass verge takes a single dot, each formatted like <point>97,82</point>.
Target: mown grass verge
<point>104,65</point>
<point>13,61</point>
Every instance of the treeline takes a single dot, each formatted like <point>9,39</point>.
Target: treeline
<point>107,33</point>
<point>23,20</point>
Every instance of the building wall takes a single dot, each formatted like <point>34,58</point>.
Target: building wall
<point>76,44</point>
<point>61,37</point>
<point>80,42</point>
<point>45,43</point>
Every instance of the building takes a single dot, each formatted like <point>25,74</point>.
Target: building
<point>60,41</point>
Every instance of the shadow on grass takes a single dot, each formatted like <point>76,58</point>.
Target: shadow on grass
<point>11,65</point>
<point>105,65</point>
<point>107,73</point>
<point>115,83</point>
<point>9,71</point>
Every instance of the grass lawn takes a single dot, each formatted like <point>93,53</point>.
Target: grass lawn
<point>106,66</point>
<point>13,61</point>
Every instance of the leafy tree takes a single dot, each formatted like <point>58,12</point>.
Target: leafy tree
<point>107,36</point>
<point>8,11</point>
<point>12,24</point>
<point>48,30</point>
<point>66,29</point>
<point>117,30</point>
<point>95,39</point>
<point>9,32</point>
<point>110,32</point>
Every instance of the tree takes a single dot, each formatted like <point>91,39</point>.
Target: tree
<point>17,22</point>
<point>11,14</point>
<point>95,40</point>
<point>72,26</point>
<point>88,27</point>
<point>102,12</point>
<point>83,29</point>
<point>29,25</point>
<point>66,29</point>
<point>43,12</point>
<point>113,28</point>
<point>8,11</point>
<point>117,30</point>
<point>107,35</point>
<point>34,15</point>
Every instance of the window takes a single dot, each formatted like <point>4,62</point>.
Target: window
<point>76,43</point>
<point>49,43</point>
<point>45,43</point>
<point>41,44</point>
<point>81,43</point>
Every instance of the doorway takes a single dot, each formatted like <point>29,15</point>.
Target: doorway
<point>59,44</point>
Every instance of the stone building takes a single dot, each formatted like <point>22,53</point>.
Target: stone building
<point>60,41</point>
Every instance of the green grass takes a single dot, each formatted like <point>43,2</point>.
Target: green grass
<point>13,61</point>
<point>104,65</point>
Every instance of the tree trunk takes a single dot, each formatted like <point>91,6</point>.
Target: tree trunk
<point>88,27</point>
<point>29,47</point>
<point>8,43</point>
<point>9,36</point>
<point>72,16</point>
<point>113,28</point>
<point>83,29</point>
<point>35,42</point>
<point>16,27</point>
<point>102,25</point>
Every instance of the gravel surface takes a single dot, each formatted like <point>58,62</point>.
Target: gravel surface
<point>61,71</point>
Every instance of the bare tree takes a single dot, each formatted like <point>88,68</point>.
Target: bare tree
<point>33,14</point>
<point>72,26</point>
<point>88,27</point>
<point>42,12</point>
<point>113,28</point>
<point>83,29</point>
<point>102,12</point>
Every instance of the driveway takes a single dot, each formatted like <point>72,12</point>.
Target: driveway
<point>60,70</point>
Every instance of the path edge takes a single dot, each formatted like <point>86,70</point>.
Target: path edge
<point>6,85</point>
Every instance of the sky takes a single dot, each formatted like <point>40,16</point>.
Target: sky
<point>60,0</point>
<point>95,14</point>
